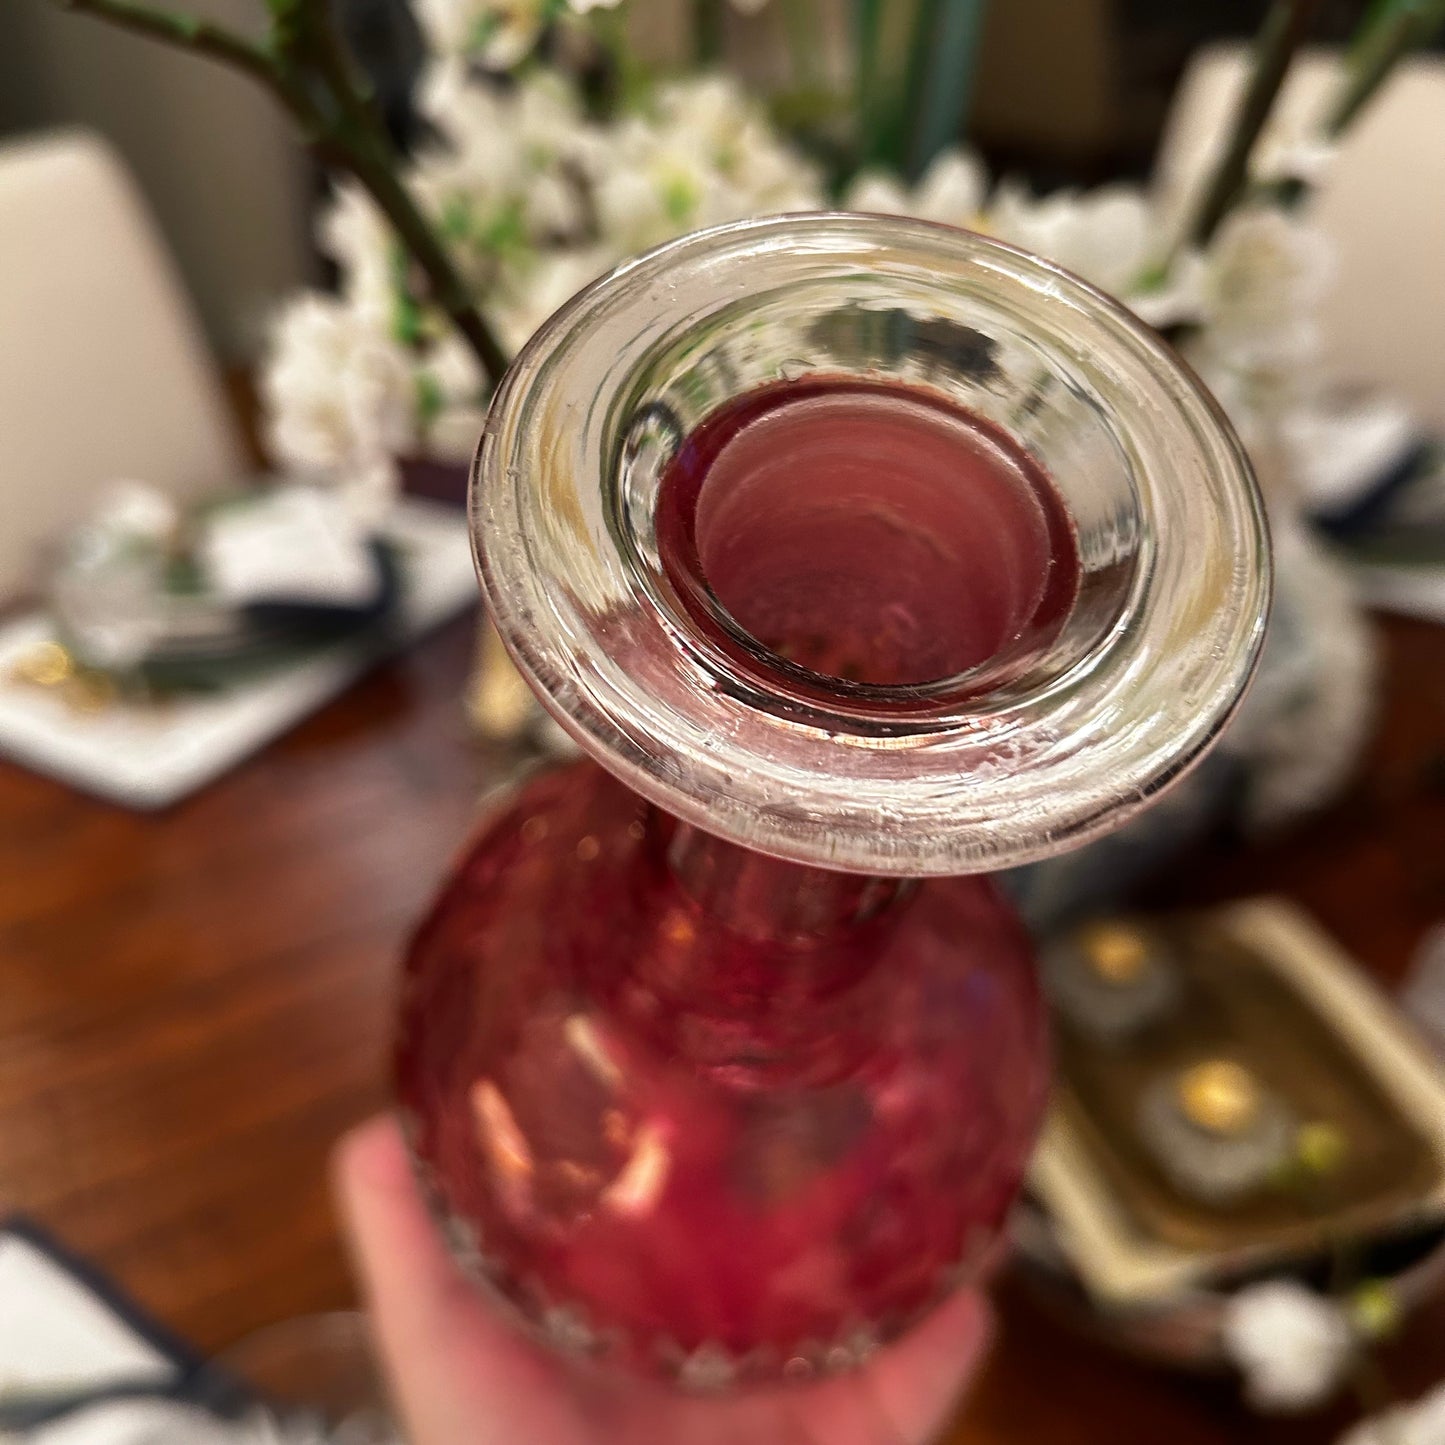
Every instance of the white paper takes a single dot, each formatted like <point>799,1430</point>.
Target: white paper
<point>293,544</point>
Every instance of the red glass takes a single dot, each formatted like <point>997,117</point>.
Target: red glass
<point>857,543</point>
<point>719,1114</point>
<point>867,531</point>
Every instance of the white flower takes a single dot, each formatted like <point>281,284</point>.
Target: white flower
<point>467,113</point>
<point>951,190</point>
<point>1290,1343</point>
<point>450,375</point>
<point>452,367</point>
<point>654,189</point>
<point>712,110</point>
<point>879,193</point>
<point>1339,451</point>
<point>1173,298</point>
<point>360,240</point>
<point>1300,730</point>
<point>509,159</point>
<point>754,171</point>
<point>552,281</point>
<point>340,398</point>
<point>499,33</point>
<point>1420,1423</point>
<point>704,155</point>
<point>1107,236</point>
<point>1257,294</point>
<point>1264,277</point>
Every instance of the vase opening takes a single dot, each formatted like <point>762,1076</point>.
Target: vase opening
<point>867,533</point>
<point>871,545</point>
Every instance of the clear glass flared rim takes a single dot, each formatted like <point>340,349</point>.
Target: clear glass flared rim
<point>996,778</point>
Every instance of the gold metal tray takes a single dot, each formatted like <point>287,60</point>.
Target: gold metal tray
<point>1259,984</point>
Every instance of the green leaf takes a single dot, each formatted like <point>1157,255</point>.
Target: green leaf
<point>505,230</point>
<point>456,218</point>
<point>484,30</point>
<point>707,29</point>
<point>679,199</point>
<point>406,320</point>
<point>429,398</point>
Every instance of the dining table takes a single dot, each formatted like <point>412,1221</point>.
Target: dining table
<point>196,1003</point>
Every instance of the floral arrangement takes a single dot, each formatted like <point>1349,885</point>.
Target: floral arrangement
<point>535,199</point>
<point>551,153</point>
<point>536,193</point>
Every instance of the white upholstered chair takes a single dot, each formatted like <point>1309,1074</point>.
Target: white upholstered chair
<point>104,372</point>
<point>1383,202</point>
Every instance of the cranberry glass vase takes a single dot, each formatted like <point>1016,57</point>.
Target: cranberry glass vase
<point>863,557</point>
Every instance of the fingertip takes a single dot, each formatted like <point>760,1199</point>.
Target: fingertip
<point>372,1153</point>
<point>380,1202</point>
<point>963,1322</point>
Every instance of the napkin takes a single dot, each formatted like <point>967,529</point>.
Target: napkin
<point>293,544</point>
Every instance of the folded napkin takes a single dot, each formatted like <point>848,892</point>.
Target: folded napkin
<point>292,544</point>
<point>62,1326</point>
<point>80,1364</point>
<point>166,1422</point>
<point>1374,483</point>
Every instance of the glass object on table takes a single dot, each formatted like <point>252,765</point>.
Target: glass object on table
<point>108,597</point>
<point>720,1061</point>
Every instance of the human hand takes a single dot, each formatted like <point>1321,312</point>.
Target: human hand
<point>461,1376</point>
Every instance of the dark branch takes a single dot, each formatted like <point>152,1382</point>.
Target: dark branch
<point>187,31</point>
<point>1285,27</point>
<point>307,68</point>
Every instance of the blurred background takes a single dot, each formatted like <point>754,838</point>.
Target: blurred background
<point>245,727</point>
<point>1068,94</point>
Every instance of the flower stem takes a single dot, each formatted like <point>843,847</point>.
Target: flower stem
<point>1385,37</point>
<point>948,84</point>
<point>1285,26</point>
<point>707,31</point>
<point>913,86</point>
<point>305,65</point>
<point>804,35</point>
<point>867,58</point>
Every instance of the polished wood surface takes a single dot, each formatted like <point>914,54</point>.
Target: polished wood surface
<point>193,1005</point>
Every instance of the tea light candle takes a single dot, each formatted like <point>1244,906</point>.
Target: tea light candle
<point>1110,978</point>
<point>1220,1096</point>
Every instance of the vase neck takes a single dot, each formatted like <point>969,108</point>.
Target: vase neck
<point>766,899</point>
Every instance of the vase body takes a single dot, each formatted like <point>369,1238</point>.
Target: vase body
<point>715,1146</point>
<point>865,558</point>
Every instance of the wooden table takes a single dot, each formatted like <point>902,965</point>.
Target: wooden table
<point>193,1006</point>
